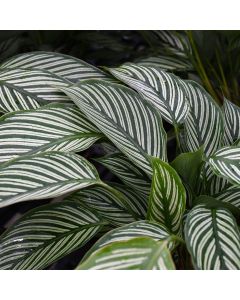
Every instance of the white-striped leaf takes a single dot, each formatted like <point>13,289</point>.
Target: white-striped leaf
<point>29,89</point>
<point>54,127</point>
<point>168,63</point>
<point>226,163</point>
<point>213,183</point>
<point>125,170</point>
<point>230,195</point>
<point>204,124</point>
<point>107,203</point>
<point>135,254</point>
<point>46,234</point>
<point>133,125</point>
<point>163,90</point>
<point>65,66</point>
<point>231,122</point>
<point>156,231</point>
<point>167,199</point>
<point>213,238</point>
<point>44,175</point>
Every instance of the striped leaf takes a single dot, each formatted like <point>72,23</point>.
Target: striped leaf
<point>46,234</point>
<point>163,90</point>
<point>167,63</point>
<point>213,238</point>
<point>130,175</point>
<point>45,175</point>
<point>156,231</point>
<point>69,67</point>
<point>226,163</point>
<point>135,254</point>
<point>107,203</point>
<point>231,122</point>
<point>213,183</point>
<point>133,125</point>
<point>167,199</point>
<point>230,195</point>
<point>204,124</point>
<point>50,128</point>
<point>29,89</point>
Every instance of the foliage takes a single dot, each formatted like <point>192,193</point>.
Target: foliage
<point>163,207</point>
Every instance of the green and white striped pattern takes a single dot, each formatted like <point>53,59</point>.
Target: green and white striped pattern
<point>167,199</point>
<point>45,175</point>
<point>213,239</point>
<point>167,63</point>
<point>133,125</point>
<point>28,89</point>
<point>163,90</point>
<point>135,254</point>
<point>46,234</point>
<point>156,231</point>
<point>204,124</point>
<point>60,64</point>
<point>214,184</point>
<point>230,195</point>
<point>107,202</point>
<point>125,170</point>
<point>53,127</point>
<point>226,163</point>
<point>231,122</point>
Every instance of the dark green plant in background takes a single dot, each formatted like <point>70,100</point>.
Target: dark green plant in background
<point>165,205</point>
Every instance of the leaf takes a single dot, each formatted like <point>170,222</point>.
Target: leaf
<point>167,199</point>
<point>204,124</point>
<point>214,184</point>
<point>163,90</point>
<point>124,117</point>
<point>231,122</point>
<point>47,233</point>
<point>230,195</point>
<point>49,128</point>
<point>106,203</point>
<point>213,239</point>
<point>135,254</point>
<point>188,166</point>
<point>165,62</point>
<point>125,170</point>
<point>143,228</point>
<point>43,176</point>
<point>29,89</point>
<point>226,163</point>
<point>68,67</point>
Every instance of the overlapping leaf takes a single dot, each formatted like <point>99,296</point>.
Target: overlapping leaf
<point>47,233</point>
<point>231,122</point>
<point>204,124</point>
<point>134,254</point>
<point>43,176</point>
<point>60,64</point>
<point>29,89</point>
<point>213,238</point>
<point>133,125</point>
<point>163,90</point>
<point>125,170</point>
<point>53,127</point>
<point>168,197</point>
<point>230,195</point>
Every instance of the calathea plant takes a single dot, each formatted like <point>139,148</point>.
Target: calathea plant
<point>158,214</point>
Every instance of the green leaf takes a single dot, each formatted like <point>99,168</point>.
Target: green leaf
<point>68,67</point>
<point>163,90</point>
<point>50,128</point>
<point>230,195</point>
<point>231,122</point>
<point>213,183</point>
<point>143,228</point>
<point>226,163</point>
<point>46,234</point>
<point>43,176</point>
<point>125,170</point>
<point>29,89</point>
<point>188,166</point>
<point>134,254</point>
<point>167,200</point>
<point>133,125</point>
<point>213,239</point>
<point>204,123</point>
